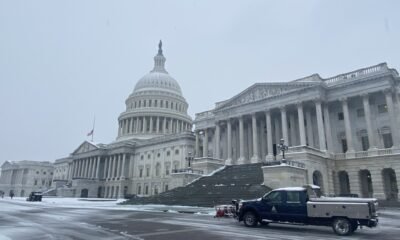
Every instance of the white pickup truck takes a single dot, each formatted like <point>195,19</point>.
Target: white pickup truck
<point>303,205</point>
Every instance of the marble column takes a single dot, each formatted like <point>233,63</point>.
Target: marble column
<point>310,135</point>
<point>109,170</point>
<point>370,128</point>
<point>158,125</point>
<point>205,143</point>
<point>277,129</point>
<point>171,130</point>
<point>320,124</point>
<point>123,166</point>
<point>131,127</point>
<point>301,124</point>
<point>328,130</point>
<point>229,142</point>
<point>241,141</point>
<point>293,139</point>
<point>392,115</point>
<point>217,140</point>
<point>285,135</point>
<point>97,167</point>
<point>144,125</point>
<point>94,167</point>
<point>89,165</point>
<point>349,135</point>
<point>197,145</point>
<point>118,164</point>
<point>84,168</point>
<point>270,154</point>
<point>255,158</point>
<point>164,128</point>
<point>151,124</point>
<point>105,168</point>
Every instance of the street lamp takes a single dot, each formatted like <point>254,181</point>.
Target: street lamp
<point>283,148</point>
<point>189,158</point>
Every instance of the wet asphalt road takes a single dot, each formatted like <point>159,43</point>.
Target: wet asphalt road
<point>22,221</point>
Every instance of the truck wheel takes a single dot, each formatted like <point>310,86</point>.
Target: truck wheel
<point>342,226</point>
<point>250,219</point>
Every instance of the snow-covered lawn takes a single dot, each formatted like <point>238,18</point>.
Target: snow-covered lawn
<point>113,204</point>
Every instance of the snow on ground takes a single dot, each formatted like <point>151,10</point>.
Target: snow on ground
<point>113,204</point>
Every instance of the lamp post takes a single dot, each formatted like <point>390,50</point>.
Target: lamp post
<point>283,148</point>
<point>189,158</point>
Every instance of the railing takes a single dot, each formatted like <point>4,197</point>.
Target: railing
<point>386,151</point>
<point>287,162</point>
<point>187,170</point>
<point>361,154</point>
<point>202,115</point>
<point>357,73</point>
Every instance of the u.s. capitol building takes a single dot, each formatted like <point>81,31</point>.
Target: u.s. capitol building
<point>339,133</point>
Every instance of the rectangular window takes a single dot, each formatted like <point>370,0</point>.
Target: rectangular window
<point>340,116</point>
<point>293,197</point>
<point>364,143</point>
<point>141,172</point>
<point>139,191</point>
<point>147,172</point>
<point>360,112</point>
<point>344,145</point>
<point>147,190</point>
<point>382,108</point>
<point>387,140</point>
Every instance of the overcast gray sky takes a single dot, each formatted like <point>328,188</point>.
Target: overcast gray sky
<point>62,62</point>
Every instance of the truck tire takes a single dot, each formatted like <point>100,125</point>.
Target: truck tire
<point>250,219</point>
<point>342,226</point>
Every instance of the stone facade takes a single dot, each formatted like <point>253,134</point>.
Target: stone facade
<point>24,177</point>
<point>341,129</point>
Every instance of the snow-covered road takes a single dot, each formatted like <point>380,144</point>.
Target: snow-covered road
<point>74,219</point>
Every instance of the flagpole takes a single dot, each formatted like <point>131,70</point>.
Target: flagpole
<point>94,121</point>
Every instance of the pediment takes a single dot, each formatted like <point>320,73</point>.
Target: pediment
<point>5,165</point>
<point>85,147</point>
<point>260,91</point>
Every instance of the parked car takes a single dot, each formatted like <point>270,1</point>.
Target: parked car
<point>35,197</point>
<point>302,205</point>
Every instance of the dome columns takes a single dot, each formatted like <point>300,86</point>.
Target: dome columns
<point>153,125</point>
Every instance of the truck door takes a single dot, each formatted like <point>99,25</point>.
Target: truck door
<point>295,209</point>
<point>273,205</point>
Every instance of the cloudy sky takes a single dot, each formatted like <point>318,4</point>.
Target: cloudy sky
<point>62,62</point>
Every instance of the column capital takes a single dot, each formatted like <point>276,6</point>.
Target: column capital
<point>317,100</point>
<point>299,103</point>
<point>364,95</point>
<point>267,111</point>
<point>387,91</point>
<point>282,108</point>
<point>343,99</point>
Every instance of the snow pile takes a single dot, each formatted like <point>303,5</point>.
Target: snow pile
<point>112,204</point>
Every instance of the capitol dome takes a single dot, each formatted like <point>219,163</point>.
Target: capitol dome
<point>156,106</point>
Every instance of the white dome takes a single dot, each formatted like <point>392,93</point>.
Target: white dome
<point>160,81</point>
<point>156,107</point>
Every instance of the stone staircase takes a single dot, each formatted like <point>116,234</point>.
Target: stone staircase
<point>233,182</point>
